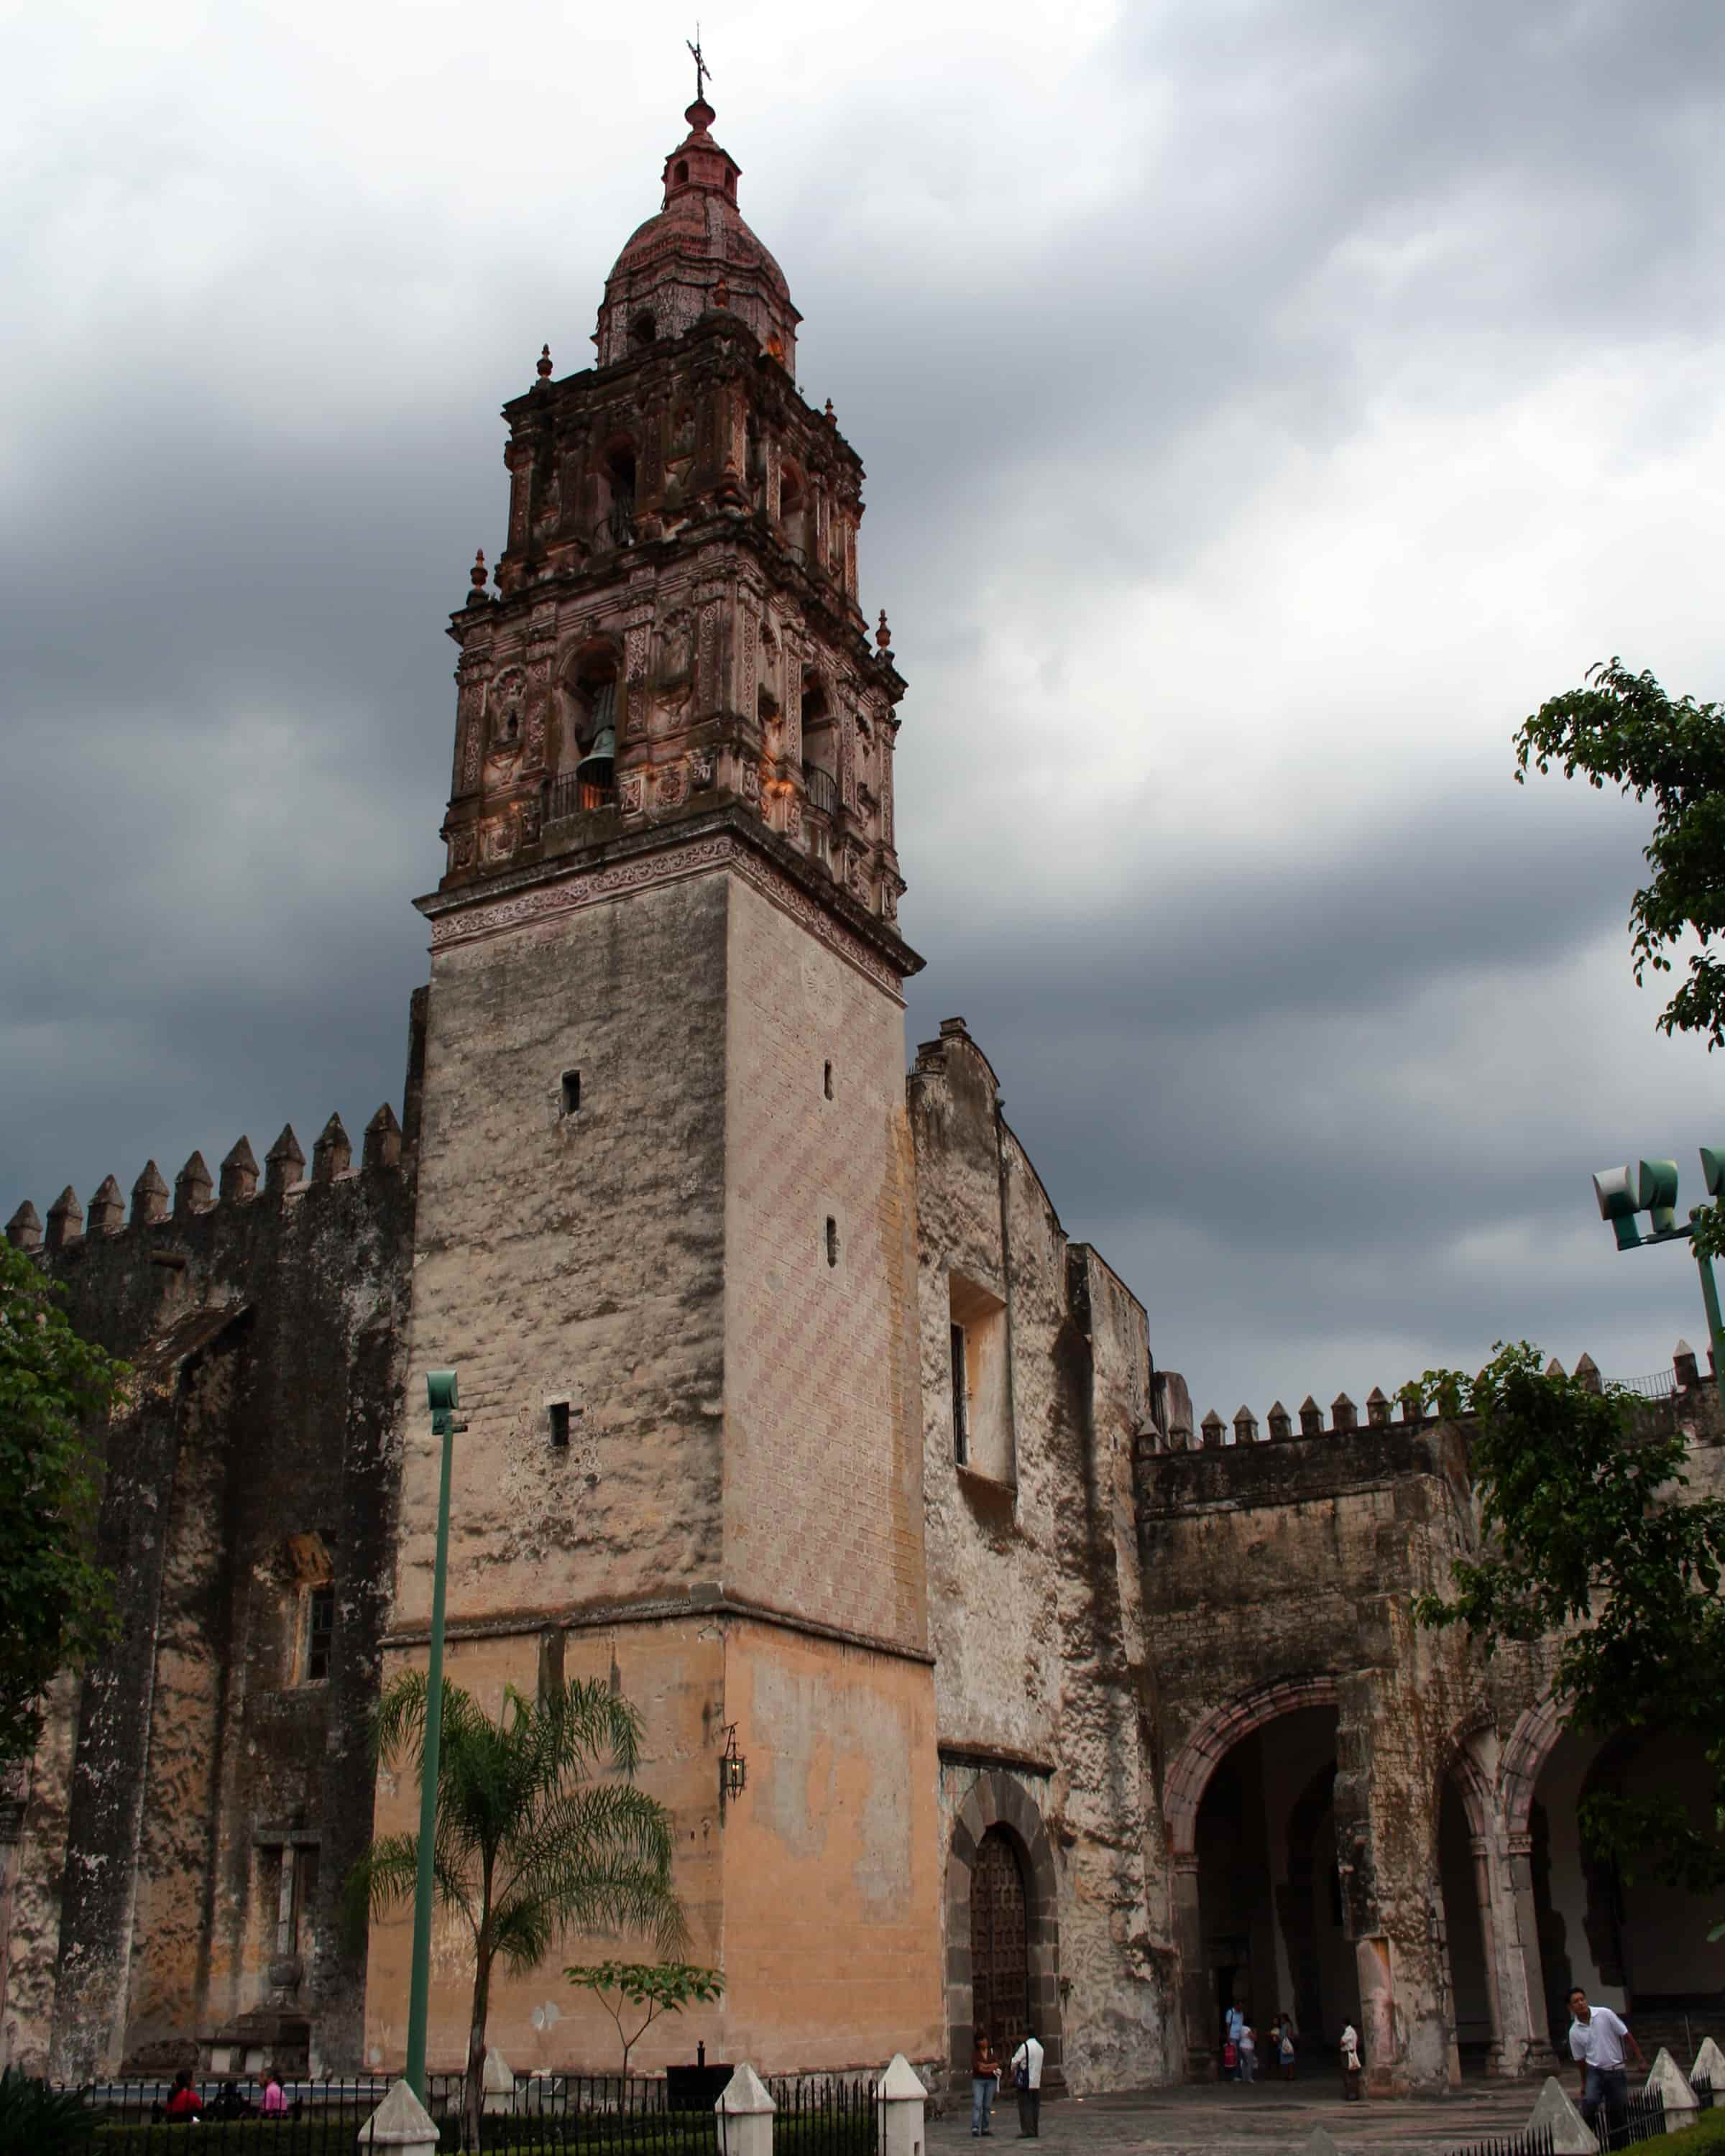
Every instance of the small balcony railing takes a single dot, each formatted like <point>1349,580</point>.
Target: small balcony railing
<point>822,788</point>
<point>574,796</point>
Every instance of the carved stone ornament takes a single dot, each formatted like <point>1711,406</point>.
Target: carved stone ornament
<point>499,840</point>
<point>631,793</point>
<point>700,770</point>
<point>793,815</point>
<point>532,816</point>
<point>505,701</point>
<point>673,785</point>
<point>462,847</point>
<point>749,780</point>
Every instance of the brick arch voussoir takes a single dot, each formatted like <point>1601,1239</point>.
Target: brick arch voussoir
<point>1188,1774</point>
<point>1531,1744</point>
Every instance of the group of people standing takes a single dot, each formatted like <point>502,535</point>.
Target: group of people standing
<point>1239,2047</point>
<point>1025,2067</point>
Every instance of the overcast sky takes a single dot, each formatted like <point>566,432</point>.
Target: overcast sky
<point>1265,407</point>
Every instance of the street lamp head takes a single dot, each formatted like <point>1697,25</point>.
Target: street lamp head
<point>440,1396</point>
<point>1713,1169</point>
<point>1618,1190</point>
<point>1656,1191</point>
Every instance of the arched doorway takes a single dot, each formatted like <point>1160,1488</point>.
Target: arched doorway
<point>999,1941</point>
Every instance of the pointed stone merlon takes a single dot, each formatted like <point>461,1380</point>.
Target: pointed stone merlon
<point>1554,1368</point>
<point>283,1164</point>
<point>23,1230</point>
<point>1343,1414</point>
<point>1685,1367</point>
<point>1280,1422</point>
<point>1587,1375</point>
<point>149,1197</point>
<point>1318,2143</point>
<point>400,2122</point>
<point>193,1189</point>
<point>1245,1427</point>
<point>746,2127</point>
<point>1570,2132</point>
<point>65,1220</point>
<point>902,2098</point>
<point>332,1152</point>
<point>1378,1407</point>
<point>107,1208</point>
<point>240,1174</point>
<point>382,1139</point>
<point>1710,2066</point>
<point>1211,1429</point>
<point>1669,2080</point>
<point>1311,1418</point>
<point>497,2085</point>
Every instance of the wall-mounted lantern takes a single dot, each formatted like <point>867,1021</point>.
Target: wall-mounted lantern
<point>733,1767</point>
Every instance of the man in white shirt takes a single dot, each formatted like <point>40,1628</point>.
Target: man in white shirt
<point>1027,2079</point>
<point>1597,2037</point>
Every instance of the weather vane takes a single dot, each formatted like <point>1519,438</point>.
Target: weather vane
<point>702,71</point>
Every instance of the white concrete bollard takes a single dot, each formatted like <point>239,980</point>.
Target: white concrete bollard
<point>400,2122</point>
<point>1668,2079</point>
<point>1570,2133</point>
<point>497,2088</point>
<point>745,2111</point>
<point>902,2098</point>
<point>1710,2066</point>
<point>1318,2143</point>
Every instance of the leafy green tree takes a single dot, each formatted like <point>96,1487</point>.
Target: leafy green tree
<point>56,1604</point>
<point>1623,727</point>
<point>1591,1538</point>
<point>528,1844</point>
<point>662,1987</point>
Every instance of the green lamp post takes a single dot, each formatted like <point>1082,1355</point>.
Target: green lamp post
<point>1650,1186</point>
<point>440,1391</point>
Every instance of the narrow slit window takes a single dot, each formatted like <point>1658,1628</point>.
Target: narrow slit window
<point>559,1414</point>
<point>961,1400</point>
<point>832,1241</point>
<point>571,1093</point>
<point>827,1081</point>
<point>320,1633</point>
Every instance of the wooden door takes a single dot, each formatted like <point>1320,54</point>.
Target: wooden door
<point>1000,1942</point>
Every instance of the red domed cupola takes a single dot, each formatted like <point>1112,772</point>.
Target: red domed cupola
<point>696,255</point>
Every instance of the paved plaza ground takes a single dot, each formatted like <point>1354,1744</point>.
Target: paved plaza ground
<point>1263,2117</point>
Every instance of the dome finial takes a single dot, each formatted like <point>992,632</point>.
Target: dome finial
<point>544,362</point>
<point>699,115</point>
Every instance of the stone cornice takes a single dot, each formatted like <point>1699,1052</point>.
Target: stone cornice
<point>721,839</point>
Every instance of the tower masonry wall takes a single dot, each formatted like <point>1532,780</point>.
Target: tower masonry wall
<point>573,1253</point>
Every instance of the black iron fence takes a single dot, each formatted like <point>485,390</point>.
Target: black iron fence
<point>1518,2144</point>
<point>1703,2088</point>
<point>570,2114</point>
<point>1642,2119</point>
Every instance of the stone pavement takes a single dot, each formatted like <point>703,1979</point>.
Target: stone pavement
<point>1260,2120</point>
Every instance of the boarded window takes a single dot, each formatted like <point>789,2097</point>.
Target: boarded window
<point>320,1633</point>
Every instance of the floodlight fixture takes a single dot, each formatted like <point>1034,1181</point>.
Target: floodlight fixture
<point>1618,1191</point>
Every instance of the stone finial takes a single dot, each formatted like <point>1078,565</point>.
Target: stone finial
<point>240,1174</point>
<point>542,369</point>
<point>1554,1368</point>
<point>1709,2065</point>
<point>283,1163</point>
<point>476,578</point>
<point>23,1230</point>
<point>1684,1366</point>
<point>65,1220</point>
<point>107,1208</point>
<point>1343,1414</point>
<point>331,1152</point>
<point>1281,1422</point>
<point>193,1188</point>
<point>149,1197</point>
<point>883,636</point>
<point>382,1139</point>
<point>1245,1427</point>
<point>1378,1407</point>
<point>1311,1418</point>
<point>1553,2112</point>
<point>1669,2081</point>
<point>832,416</point>
<point>1213,1427</point>
<point>1587,1374</point>
<point>401,2122</point>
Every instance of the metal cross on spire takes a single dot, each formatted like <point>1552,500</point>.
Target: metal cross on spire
<point>702,71</point>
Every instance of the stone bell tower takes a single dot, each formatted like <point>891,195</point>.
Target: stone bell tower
<point>666,1227</point>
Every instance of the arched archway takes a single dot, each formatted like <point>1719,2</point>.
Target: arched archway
<point>1211,1741</point>
<point>999,1822</point>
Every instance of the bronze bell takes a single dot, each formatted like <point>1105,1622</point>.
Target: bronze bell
<point>597,767</point>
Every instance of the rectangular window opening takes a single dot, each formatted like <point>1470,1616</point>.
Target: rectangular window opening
<point>828,1081</point>
<point>571,1093</point>
<point>319,1632</point>
<point>558,1412</point>
<point>832,1241</point>
<point>961,1400</point>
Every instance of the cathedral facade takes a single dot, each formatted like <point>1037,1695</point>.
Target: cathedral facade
<point>792,1409</point>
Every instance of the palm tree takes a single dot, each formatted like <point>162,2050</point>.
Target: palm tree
<point>528,1844</point>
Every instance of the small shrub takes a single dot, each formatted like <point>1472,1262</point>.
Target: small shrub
<point>37,2120</point>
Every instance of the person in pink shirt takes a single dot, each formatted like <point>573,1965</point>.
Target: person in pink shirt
<point>275,2103</point>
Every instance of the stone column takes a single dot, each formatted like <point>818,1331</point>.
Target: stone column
<point>1376,2011</point>
<point>1499,2062</point>
<point>1527,1974</point>
<point>1188,1944</point>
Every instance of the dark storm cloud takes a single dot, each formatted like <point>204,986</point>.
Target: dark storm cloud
<point>1307,1016</point>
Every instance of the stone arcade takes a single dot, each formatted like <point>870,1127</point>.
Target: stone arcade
<point>791,1407</point>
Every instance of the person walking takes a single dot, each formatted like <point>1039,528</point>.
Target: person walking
<point>1248,2050</point>
<point>1597,2037</point>
<point>1285,2046</point>
<point>275,2103</point>
<point>984,2082</point>
<point>1350,2064</point>
<point>184,2102</point>
<point>1233,2027</point>
<point>1026,2080</point>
